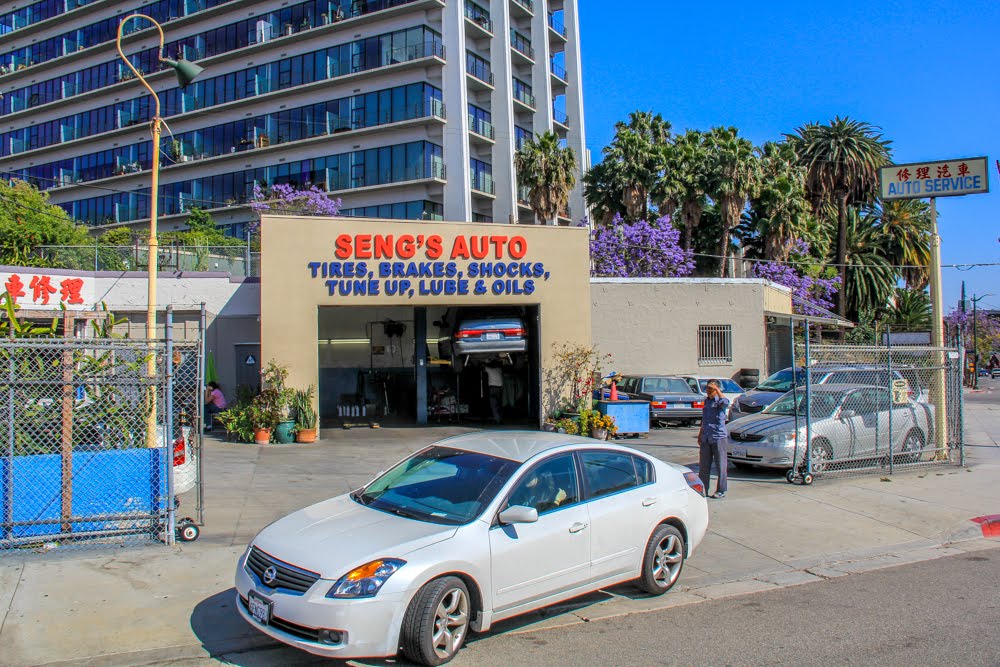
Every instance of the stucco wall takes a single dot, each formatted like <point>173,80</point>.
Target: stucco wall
<point>291,295</point>
<point>651,325</point>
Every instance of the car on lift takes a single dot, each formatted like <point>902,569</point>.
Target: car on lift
<point>464,533</point>
<point>478,331</point>
<point>670,398</point>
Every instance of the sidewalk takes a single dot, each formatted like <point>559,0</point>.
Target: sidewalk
<point>159,605</point>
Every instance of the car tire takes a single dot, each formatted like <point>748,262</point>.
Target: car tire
<point>912,447</point>
<point>822,455</point>
<point>663,560</point>
<point>437,622</point>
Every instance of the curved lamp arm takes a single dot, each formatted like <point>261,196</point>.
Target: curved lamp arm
<point>138,74</point>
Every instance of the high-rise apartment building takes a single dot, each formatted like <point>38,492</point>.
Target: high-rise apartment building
<point>409,109</point>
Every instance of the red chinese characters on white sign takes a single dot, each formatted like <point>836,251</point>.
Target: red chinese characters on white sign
<point>32,290</point>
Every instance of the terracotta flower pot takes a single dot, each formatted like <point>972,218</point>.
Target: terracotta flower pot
<point>262,436</point>
<point>306,435</point>
<point>599,433</point>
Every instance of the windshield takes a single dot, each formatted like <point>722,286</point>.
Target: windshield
<point>782,381</point>
<point>728,386</point>
<point>439,485</point>
<point>666,386</point>
<point>821,404</point>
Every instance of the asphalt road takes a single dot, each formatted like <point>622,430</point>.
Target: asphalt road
<point>937,612</point>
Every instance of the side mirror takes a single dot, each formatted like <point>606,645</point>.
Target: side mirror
<point>518,514</point>
<point>847,414</point>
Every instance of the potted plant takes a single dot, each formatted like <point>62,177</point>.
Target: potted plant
<point>602,426</point>
<point>272,404</point>
<point>238,422</point>
<point>260,420</point>
<point>568,426</point>
<point>305,416</point>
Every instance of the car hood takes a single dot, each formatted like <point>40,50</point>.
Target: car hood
<point>336,535</point>
<point>764,424</point>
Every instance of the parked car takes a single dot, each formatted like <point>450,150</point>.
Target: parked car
<point>670,398</point>
<point>776,385</point>
<point>848,422</point>
<point>995,373</point>
<point>478,331</point>
<point>730,389</point>
<point>464,533</point>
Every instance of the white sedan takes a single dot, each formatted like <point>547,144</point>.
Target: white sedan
<point>464,533</point>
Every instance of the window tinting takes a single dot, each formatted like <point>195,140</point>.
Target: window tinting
<point>547,486</point>
<point>608,472</point>
<point>643,470</point>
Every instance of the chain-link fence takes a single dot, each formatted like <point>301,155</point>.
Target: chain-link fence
<point>236,260</point>
<point>94,448</point>
<point>865,410</point>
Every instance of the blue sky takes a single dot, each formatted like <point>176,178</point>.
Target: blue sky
<point>927,73</point>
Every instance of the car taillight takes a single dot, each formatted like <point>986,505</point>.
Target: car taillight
<point>698,404</point>
<point>179,455</point>
<point>694,482</point>
<point>512,332</point>
<point>469,333</point>
<point>659,405</point>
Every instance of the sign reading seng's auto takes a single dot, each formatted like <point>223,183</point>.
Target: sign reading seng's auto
<point>947,178</point>
<point>408,265</point>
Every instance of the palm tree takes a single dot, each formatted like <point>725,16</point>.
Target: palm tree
<point>842,160</point>
<point>548,170</point>
<point>781,212</point>
<point>905,229</point>
<point>602,194</point>
<point>635,159</point>
<point>734,177</point>
<point>684,181</point>
<point>910,311</point>
<point>870,278</point>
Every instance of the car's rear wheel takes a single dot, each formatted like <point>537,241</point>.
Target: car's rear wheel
<point>436,623</point>
<point>822,455</point>
<point>913,446</point>
<point>663,560</point>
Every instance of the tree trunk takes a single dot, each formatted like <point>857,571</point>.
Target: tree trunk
<point>727,226</point>
<point>691,215</point>
<point>842,259</point>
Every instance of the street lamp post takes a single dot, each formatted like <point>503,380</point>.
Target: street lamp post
<point>186,72</point>
<point>975,341</point>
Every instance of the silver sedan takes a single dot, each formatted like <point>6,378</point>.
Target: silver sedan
<point>464,533</point>
<point>849,423</point>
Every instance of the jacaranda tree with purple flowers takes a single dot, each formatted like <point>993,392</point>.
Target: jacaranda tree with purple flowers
<point>814,293</point>
<point>282,198</point>
<point>638,250</point>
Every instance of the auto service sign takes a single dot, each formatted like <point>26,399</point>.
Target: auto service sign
<point>947,178</point>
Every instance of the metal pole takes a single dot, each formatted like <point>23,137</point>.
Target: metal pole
<point>808,364</point>
<point>892,399</point>
<point>200,407</point>
<point>246,260</point>
<point>975,345</point>
<point>795,390</point>
<point>168,425</point>
<point>8,468</point>
<point>960,430</point>
<point>937,338</point>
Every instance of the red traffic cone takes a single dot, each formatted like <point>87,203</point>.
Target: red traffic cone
<point>614,391</point>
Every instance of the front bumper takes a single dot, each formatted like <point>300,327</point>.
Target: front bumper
<point>370,626</point>
<point>764,454</point>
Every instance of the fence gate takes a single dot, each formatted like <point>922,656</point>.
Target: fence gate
<point>874,410</point>
<point>84,458</point>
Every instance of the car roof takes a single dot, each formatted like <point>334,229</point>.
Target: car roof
<point>515,445</point>
<point>705,377</point>
<point>838,387</point>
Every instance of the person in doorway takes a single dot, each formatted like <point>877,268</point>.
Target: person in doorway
<point>494,382</point>
<point>215,402</point>
<point>712,439</point>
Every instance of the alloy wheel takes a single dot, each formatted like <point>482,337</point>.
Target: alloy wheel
<point>821,457</point>
<point>667,560</point>
<point>451,623</point>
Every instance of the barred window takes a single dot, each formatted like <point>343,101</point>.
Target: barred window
<point>715,343</point>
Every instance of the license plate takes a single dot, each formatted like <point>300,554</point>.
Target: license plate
<point>260,607</point>
<point>740,452</point>
<point>678,405</point>
<point>492,336</point>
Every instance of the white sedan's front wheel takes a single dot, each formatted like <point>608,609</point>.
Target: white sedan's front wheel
<point>436,623</point>
<point>663,560</point>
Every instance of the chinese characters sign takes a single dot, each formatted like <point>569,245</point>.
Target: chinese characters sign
<point>411,265</point>
<point>36,291</point>
<point>920,180</point>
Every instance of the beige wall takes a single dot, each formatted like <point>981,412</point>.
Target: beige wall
<point>650,325</point>
<point>291,295</point>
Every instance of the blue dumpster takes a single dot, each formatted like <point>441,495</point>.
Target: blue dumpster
<point>629,416</point>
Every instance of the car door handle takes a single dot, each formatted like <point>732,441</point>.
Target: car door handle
<point>649,501</point>
<point>577,527</point>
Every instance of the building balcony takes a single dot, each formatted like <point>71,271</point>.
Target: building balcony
<point>478,19</point>
<point>481,131</point>
<point>483,187</point>
<point>524,99</point>
<point>519,8</point>
<point>560,119</point>
<point>524,197</point>
<point>557,30</point>
<point>522,49</point>
<point>479,80</point>
<point>559,76</point>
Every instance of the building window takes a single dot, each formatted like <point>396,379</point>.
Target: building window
<point>715,344</point>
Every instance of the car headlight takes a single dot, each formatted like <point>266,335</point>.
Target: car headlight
<point>365,581</point>
<point>782,439</point>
